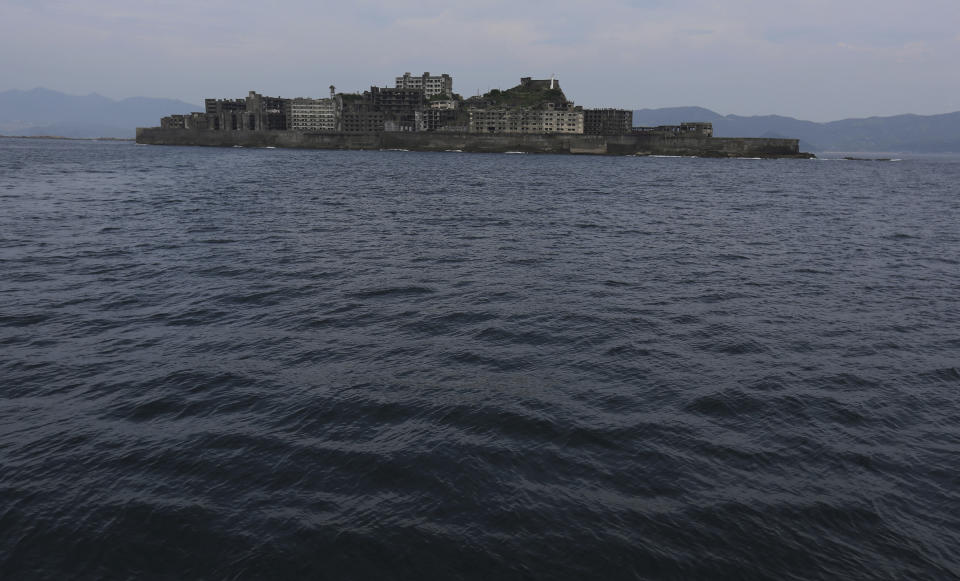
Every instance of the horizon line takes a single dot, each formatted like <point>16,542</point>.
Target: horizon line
<point>908,114</point>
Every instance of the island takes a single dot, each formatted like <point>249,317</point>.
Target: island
<point>422,113</point>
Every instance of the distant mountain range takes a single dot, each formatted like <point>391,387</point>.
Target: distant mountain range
<point>46,112</point>
<point>904,133</point>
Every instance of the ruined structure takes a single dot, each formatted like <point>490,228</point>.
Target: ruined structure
<point>315,114</point>
<point>430,85</point>
<point>399,107</point>
<point>255,113</point>
<point>551,119</point>
<point>607,121</point>
<point>689,128</point>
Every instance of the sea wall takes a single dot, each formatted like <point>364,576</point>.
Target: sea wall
<point>702,146</point>
<point>631,144</point>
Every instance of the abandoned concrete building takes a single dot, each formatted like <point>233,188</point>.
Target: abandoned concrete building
<point>699,128</point>
<point>315,115</point>
<point>445,120</point>
<point>607,121</point>
<point>399,106</point>
<point>254,113</point>
<point>430,85</point>
<point>549,120</point>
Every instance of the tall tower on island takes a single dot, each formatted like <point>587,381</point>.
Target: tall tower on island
<point>431,84</point>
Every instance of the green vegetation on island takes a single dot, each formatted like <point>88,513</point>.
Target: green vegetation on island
<point>529,94</point>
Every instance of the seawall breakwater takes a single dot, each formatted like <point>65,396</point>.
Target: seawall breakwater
<point>627,144</point>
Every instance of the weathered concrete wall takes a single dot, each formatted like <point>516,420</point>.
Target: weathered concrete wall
<point>292,139</point>
<point>531,143</point>
<point>498,143</point>
<point>702,146</point>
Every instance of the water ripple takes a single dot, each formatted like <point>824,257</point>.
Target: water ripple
<point>354,365</point>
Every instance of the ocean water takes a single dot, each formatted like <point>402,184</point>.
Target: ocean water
<point>258,364</point>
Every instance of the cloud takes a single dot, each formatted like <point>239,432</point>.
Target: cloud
<point>742,55</point>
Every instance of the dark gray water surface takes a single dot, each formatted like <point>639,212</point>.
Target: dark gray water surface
<point>246,364</point>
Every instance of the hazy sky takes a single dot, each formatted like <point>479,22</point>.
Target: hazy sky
<point>819,60</point>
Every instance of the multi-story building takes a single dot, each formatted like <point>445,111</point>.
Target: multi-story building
<point>447,120</point>
<point>430,85</point>
<point>217,106</point>
<point>358,115</point>
<point>314,115</point>
<point>395,100</point>
<point>255,113</point>
<point>227,112</point>
<point>361,122</point>
<point>196,120</point>
<point>607,121</point>
<point>551,119</point>
<point>173,122</point>
<point>399,106</point>
<point>698,128</point>
<point>268,113</point>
